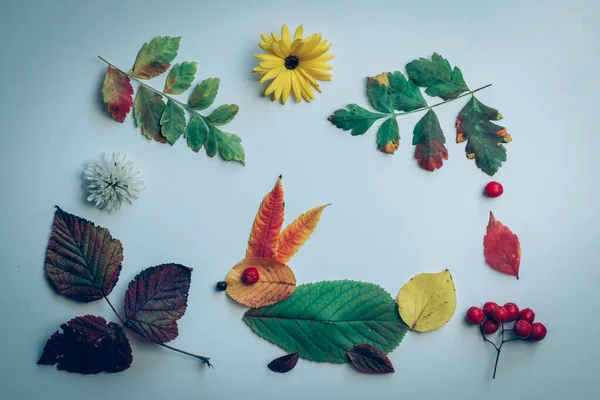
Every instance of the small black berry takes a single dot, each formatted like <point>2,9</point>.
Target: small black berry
<point>222,286</point>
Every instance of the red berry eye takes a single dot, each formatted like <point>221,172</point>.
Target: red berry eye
<point>493,189</point>
<point>250,276</point>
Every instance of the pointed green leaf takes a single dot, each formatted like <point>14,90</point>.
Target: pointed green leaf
<point>378,96</point>
<point>322,321</point>
<point>484,138</point>
<point>223,114</point>
<point>172,122</point>
<point>429,138</point>
<point>406,96</point>
<point>196,133</point>
<point>355,118</point>
<point>228,145</point>
<point>204,94</point>
<point>155,57</point>
<point>148,108</point>
<point>437,76</point>
<point>180,77</point>
<point>388,136</point>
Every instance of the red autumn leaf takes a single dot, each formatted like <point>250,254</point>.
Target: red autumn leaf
<point>156,299</point>
<point>83,261</point>
<point>267,225</point>
<point>501,248</point>
<point>88,345</point>
<point>117,93</point>
<point>284,364</point>
<point>369,359</point>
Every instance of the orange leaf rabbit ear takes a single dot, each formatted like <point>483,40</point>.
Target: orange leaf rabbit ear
<point>297,233</point>
<point>501,248</point>
<point>267,224</point>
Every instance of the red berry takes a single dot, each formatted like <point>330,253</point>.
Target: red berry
<point>513,311</point>
<point>522,329</point>
<point>527,314</point>
<point>493,189</point>
<point>475,315</point>
<point>250,276</point>
<point>501,314</point>
<point>490,326</point>
<point>538,331</point>
<point>489,307</point>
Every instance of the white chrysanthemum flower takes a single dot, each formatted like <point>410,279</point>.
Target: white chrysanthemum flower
<point>112,180</point>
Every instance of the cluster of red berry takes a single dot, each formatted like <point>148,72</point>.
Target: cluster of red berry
<point>524,327</point>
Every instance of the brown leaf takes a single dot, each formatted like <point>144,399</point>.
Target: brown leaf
<point>369,359</point>
<point>284,364</point>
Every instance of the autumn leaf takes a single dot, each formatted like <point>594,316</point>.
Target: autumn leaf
<point>155,299</point>
<point>117,93</point>
<point>83,261</point>
<point>148,109</point>
<point>378,96</point>
<point>437,76</point>
<point>204,94</point>
<point>172,122</point>
<point>369,359</point>
<point>155,57</point>
<point>297,233</point>
<point>276,282</point>
<point>427,301</point>
<point>267,224</point>
<point>88,345</point>
<point>429,138</point>
<point>196,132</point>
<point>223,114</point>
<point>501,248</point>
<point>180,77</point>
<point>355,119</point>
<point>284,364</point>
<point>388,136</point>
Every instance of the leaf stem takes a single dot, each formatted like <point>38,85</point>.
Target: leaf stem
<point>470,92</point>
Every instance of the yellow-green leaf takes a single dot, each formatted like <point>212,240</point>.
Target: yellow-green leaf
<point>180,77</point>
<point>427,301</point>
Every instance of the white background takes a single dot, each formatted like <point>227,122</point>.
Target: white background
<point>389,220</point>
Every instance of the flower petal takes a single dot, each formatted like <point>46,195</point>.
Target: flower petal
<point>316,65</point>
<point>284,47</point>
<point>286,86</point>
<point>285,35</point>
<point>266,38</point>
<point>317,74</point>
<point>272,74</point>
<point>309,44</point>
<point>271,88</point>
<point>309,78</point>
<point>305,87</point>
<point>271,63</point>
<point>296,86</point>
<point>324,58</point>
<point>295,45</point>
<point>321,49</point>
<point>276,37</point>
<point>266,47</point>
<point>299,32</point>
<point>266,57</point>
<point>277,50</point>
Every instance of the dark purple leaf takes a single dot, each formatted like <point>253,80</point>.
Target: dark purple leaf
<point>284,364</point>
<point>156,299</point>
<point>88,345</point>
<point>83,261</point>
<point>369,359</point>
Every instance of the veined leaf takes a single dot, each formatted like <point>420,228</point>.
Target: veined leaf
<point>180,77</point>
<point>378,96</point>
<point>388,136</point>
<point>172,122</point>
<point>155,57</point>
<point>370,360</point>
<point>322,321</point>
<point>83,261</point>
<point>223,114</point>
<point>228,145</point>
<point>437,76</point>
<point>406,96</point>
<point>148,109</point>
<point>117,93</point>
<point>204,94</point>
<point>196,132</point>
<point>355,119</point>
<point>297,233</point>
<point>484,138</point>
<point>501,248</point>
<point>429,138</point>
<point>267,224</point>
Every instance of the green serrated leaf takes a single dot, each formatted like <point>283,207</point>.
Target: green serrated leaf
<point>429,139</point>
<point>196,133</point>
<point>437,76</point>
<point>484,138</point>
<point>172,122</point>
<point>223,114</point>
<point>378,96</point>
<point>406,96</point>
<point>204,94</point>
<point>388,136</point>
<point>322,321</point>
<point>228,145</point>
<point>148,108</point>
<point>180,77</point>
<point>155,57</point>
<point>355,119</point>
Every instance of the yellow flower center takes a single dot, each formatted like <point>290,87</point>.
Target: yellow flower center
<point>291,62</point>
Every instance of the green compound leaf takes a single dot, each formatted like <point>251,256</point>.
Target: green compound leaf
<point>378,96</point>
<point>322,321</point>
<point>228,145</point>
<point>484,138</point>
<point>388,136</point>
<point>180,77</point>
<point>155,57</point>
<point>429,138</point>
<point>148,108</point>
<point>204,94</point>
<point>172,122</point>
<point>406,96</point>
<point>437,76</point>
<point>355,119</point>
<point>223,114</point>
<point>196,133</point>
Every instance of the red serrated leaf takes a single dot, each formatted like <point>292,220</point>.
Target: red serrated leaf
<point>83,261</point>
<point>284,364</point>
<point>88,345</point>
<point>267,224</point>
<point>501,248</point>
<point>117,93</point>
<point>156,299</point>
<point>369,359</point>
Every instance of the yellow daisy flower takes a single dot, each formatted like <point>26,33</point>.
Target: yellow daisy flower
<point>293,66</point>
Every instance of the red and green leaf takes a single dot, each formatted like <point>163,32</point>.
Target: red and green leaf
<point>369,359</point>
<point>88,345</point>
<point>429,139</point>
<point>204,94</point>
<point>388,136</point>
<point>180,77</point>
<point>440,79</point>
<point>155,299</point>
<point>284,364</point>
<point>83,261</point>
<point>501,248</point>
<point>155,57</point>
<point>267,225</point>
<point>297,233</point>
<point>172,122</point>
<point>148,109</point>
<point>117,93</point>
